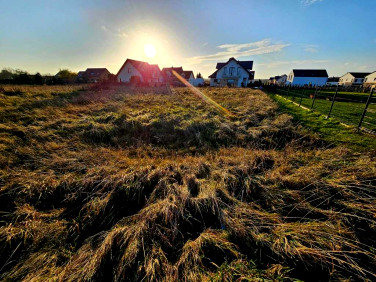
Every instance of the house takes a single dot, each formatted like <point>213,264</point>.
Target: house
<point>232,73</point>
<point>309,77</point>
<point>332,81</point>
<point>171,78</point>
<point>93,75</point>
<point>370,80</point>
<point>278,80</point>
<point>353,78</point>
<point>140,72</point>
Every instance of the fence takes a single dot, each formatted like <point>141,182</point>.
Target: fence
<point>357,107</point>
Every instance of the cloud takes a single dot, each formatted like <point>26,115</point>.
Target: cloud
<point>309,2</point>
<point>311,48</point>
<point>205,44</point>
<point>294,63</point>
<point>240,50</point>
<point>115,32</point>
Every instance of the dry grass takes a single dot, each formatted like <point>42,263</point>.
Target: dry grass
<point>119,184</point>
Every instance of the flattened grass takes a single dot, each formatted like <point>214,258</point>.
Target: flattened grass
<point>147,184</point>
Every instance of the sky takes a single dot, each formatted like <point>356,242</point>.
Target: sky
<point>45,36</point>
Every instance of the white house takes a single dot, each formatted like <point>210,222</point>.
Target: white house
<point>299,77</point>
<point>352,78</point>
<point>332,81</point>
<point>278,80</point>
<point>370,80</point>
<point>232,73</point>
<point>137,71</point>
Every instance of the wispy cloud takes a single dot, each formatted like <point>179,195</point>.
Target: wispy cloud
<point>311,48</point>
<point>294,63</point>
<point>240,50</point>
<point>115,32</point>
<point>205,44</point>
<point>309,2</point>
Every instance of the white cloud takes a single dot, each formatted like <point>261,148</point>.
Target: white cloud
<point>115,32</point>
<point>205,44</point>
<point>311,48</point>
<point>240,50</point>
<point>309,2</point>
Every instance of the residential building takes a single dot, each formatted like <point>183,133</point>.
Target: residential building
<point>232,73</point>
<point>139,72</point>
<point>352,79</point>
<point>332,81</point>
<point>278,80</point>
<point>93,75</point>
<point>307,77</point>
<point>370,80</point>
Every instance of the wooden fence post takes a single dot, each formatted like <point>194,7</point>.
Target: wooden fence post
<point>301,98</point>
<point>334,98</point>
<point>314,97</point>
<point>365,108</point>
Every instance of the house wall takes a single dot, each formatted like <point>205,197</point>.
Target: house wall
<point>125,75</point>
<point>197,81</point>
<point>346,80</point>
<point>300,81</point>
<point>239,76</point>
<point>370,79</point>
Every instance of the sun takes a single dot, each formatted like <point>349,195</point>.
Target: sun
<point>149,50</point>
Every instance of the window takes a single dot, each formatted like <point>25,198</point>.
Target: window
<point>232,71</point>
<point>225,70</point>
<point>129,70</point>
<point>374,79</point>
<point>238,71</point>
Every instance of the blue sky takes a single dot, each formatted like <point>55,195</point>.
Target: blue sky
<point>278,35</point>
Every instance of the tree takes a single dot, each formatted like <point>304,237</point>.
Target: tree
<point>199,75</point>
<point>6,74</point>
<point>65,76</point>
<point>38,79</point>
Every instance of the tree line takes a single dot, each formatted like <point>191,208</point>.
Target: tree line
<point>11,76</point>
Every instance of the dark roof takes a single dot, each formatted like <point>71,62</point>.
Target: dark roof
<point>214,74</point>
<point>144,68</point>
<point>333,79</point>
<point>310,73</point>
<point>179,70</point>
<point>359,74</point>
<point>248,65</point>
<point>95,72</point>
<point>187,74</point>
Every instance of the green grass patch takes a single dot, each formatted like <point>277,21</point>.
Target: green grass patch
<point>330,129</point>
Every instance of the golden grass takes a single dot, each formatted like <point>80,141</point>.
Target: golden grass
<point>125,184</point>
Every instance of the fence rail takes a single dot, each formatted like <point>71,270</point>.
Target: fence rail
<point>357,108</point>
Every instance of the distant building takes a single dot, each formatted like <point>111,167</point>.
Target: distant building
<point>278,80</point>
<point>353,78</point>
<point>370,80</point>
<point>140,72</point>
<point>307,77</point>
<point>93,75</point>
<point>232,73</point>
<point>168,74</point>
<point>332,81</point>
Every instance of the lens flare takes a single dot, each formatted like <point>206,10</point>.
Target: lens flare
<point>201,95</point>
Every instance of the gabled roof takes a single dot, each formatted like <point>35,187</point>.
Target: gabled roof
<point>247,65</point>
<point>187,74</point>
<point>179,70</point>
<point>214,74</point>
<point>359,74</point>
<point>372,73</point>
<point>333,79</point>
<point>145,69</point>
<point>95,72</point>
<point>309,73</point>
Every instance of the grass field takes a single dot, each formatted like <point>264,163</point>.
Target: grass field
<point>114,183</point>
<point>346,108</point>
